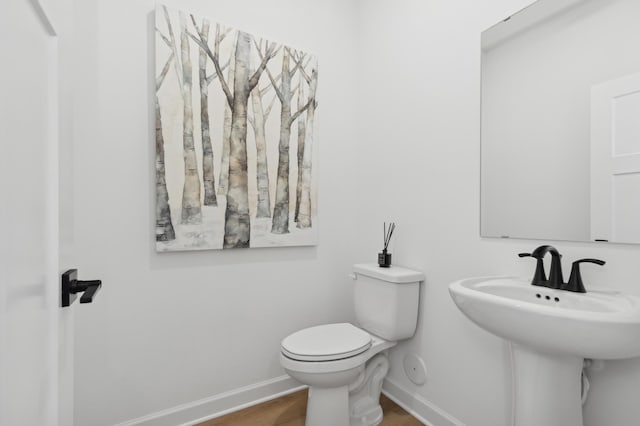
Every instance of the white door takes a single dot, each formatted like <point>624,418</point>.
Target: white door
<point>615,160</point>
<point>32,389</point>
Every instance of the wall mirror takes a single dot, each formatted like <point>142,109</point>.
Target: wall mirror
<point>560,153</point>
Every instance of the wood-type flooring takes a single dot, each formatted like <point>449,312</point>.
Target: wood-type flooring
<point>290,410</point>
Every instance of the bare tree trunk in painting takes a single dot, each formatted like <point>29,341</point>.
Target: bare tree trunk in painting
<point>280,222</point>
<point>207,150</point>
<point>205,81</point>
<point>173,45</point>
<point>164,227</point>
<point>304,214</point>
<point>237,221</point>
<point>280,219</point>
<point>262,170</point>
<point>223,182</point>
<point>301,136</point>
<point>237,227</point>
<point>191,204</point>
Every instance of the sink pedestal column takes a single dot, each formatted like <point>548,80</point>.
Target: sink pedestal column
<point>546,388</point>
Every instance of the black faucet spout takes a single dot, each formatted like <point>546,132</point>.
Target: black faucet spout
<point>556,279</point>
<point>539,276</point>
<point>555,274</point>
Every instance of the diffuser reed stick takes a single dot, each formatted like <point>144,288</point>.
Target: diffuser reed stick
<point>388,233</point>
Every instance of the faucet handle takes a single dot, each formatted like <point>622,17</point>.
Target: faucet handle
<point>575,283</point>
<point>537,253</point>
<point>539,276</point>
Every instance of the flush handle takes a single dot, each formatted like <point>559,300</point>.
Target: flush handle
<point>71,286</point>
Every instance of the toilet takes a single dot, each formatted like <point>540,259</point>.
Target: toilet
<point>344,364</point>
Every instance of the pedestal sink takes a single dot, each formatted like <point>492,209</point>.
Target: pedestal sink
<point>550,332</point>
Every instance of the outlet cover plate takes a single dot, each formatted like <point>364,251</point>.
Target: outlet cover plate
<point>415,369</point>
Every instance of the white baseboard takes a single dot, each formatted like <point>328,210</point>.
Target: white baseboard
<point>218,405</point>
<point>423,410</point>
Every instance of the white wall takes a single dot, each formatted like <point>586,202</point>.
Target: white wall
<point>173,328</point>
<point>419,109</point>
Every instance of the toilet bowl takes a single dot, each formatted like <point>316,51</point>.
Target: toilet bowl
<point>344,365</point>
<point>332,360</point>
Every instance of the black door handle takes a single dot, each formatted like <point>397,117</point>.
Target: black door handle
<point>70,286</point>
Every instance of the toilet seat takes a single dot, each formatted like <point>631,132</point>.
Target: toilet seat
<point>327,342</point>
<point>328,367</point>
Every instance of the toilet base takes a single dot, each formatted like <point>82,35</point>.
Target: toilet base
<point>343,392</point>
<point>367,412</point>
<point>364,394</point>
<point>328,406</point>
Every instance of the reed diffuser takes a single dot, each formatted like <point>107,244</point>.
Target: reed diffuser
<point>384,258</point>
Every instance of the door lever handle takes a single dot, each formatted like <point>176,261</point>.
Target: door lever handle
<point>70,286</point>
<point>90,291</point>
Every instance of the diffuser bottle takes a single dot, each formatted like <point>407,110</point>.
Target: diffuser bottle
<point>384,257</point>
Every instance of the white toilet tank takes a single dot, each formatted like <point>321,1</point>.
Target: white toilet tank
<point>386,300</point>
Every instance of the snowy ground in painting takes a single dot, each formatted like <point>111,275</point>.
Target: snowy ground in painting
<point>210,234</point>
<point>261,235</point>
<point>196,237</point>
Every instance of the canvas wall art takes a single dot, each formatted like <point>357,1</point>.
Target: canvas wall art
<point>234,129</point>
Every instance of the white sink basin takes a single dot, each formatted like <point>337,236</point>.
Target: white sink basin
<point>597,324</point>
<point>550,332</point>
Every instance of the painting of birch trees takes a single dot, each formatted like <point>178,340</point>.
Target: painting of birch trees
<point>234,128</point>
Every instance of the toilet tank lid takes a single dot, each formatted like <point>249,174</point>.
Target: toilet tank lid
<point>392,274</point>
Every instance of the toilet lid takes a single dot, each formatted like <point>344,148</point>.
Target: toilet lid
<point>326,342</point>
